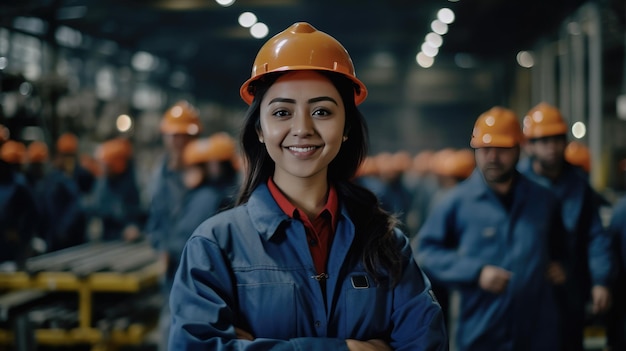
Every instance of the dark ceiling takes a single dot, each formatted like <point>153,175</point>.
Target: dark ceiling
<point>207,41</point>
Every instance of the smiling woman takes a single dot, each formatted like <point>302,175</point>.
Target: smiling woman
<point>303,239</point>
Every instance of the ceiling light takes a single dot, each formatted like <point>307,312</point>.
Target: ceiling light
<point>123,123</point>
<point>259,30</point>
<point>579,130</point>
<point>445,15</point>
<point>433,39</point>
<point>247,19</point>
<point>439,27</point>
<point>423,60</point>
<point>525,59</point>
<point>225,3</point>
<point>429,50</point>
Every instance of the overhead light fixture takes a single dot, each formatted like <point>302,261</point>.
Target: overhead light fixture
<point>259,30</point>
<point>423,60</point>
<point>439,27</point>
<point>445,15</point>
<point>247,19</point>
<point>225,3</point>
<point>525,59</point>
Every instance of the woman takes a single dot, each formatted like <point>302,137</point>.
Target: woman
<point>307,260</point>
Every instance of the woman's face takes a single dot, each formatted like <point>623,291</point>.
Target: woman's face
<point>302,122</point>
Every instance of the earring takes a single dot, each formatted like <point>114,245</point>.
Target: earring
<point>344,138</point>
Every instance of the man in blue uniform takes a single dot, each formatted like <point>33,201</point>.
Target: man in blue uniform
<point>494,238</point>
<point>180,125</point>
<point>588,244</point>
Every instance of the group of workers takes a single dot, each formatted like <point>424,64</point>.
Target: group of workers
<point>309,243</point>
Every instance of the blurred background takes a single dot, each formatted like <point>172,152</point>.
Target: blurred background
<point>431,66</point>
<point>108,70</point>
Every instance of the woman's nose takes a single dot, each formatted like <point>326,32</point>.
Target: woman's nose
<point>302,124</point>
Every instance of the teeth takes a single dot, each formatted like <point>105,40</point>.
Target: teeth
<point>302,149</point>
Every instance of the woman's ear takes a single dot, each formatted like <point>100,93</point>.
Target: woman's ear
<point>259,133</point>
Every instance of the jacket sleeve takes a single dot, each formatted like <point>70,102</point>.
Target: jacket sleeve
<point>417,316</point>
<point>600,252</point>
<point>207,320</point>
<point>437,250</point>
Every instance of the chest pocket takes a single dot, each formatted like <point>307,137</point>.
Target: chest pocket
<point>260,302</point>
<point>485,239</point>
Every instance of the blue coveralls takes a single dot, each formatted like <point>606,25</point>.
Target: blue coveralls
<point>250,267</point>
<point>471,228</point>
<point>63,220</point>
<point>166,191</point>
<point>18,217</point>
<point>587,242</point>
<point>616,329</point>
<point>116,202</point>
<point>197,205</point>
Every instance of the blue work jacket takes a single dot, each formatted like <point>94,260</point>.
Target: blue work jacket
<point>198,204</point>
<point>117,204</point>
<point>18,217</point>
<point>63,220</point>
<point>617,228</point>
<point>250,267</point>
<point>166,190</point>
<point>587,241</point>
<point>470,228</point>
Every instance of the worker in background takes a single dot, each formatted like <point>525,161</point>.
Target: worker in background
<point>423,185</point>
<point>180,125</point>
<point>306,260</point>
<point>207,193</point>
<point>451,167</point>
<point>18,211</point>
<point>495,238</point>
<point>62,217</point>
<point>616,321</point>
<point>395,197</point>
<point>222,167</point>
<point>115,199</point>
<point>67,160</point>
<point>367,175</point>
<point>590,264</point>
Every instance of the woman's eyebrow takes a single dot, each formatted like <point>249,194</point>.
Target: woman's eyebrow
<point>310,101</point>
<point>322,98</point>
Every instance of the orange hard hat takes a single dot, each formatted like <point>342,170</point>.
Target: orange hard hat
<point>367,168</point>
<point>13,152</point>
<point>302,47</point>
<point>67,143</point>
<point>401,160</point>
<point>544,120</point>
<point>497,127</point>
<point>464,162</point>
<point>578,154</point>
<point>5,134</point>
<point>442,161</point>
<point>182,118</point>
<point>37,152</point>
<point>218,147</point>
<point>422,161</point>
<point>114,154</point>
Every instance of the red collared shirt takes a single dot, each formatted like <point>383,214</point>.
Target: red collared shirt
<point>319,231</point>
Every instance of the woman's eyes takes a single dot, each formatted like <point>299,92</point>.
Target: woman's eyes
<point>320,112</point>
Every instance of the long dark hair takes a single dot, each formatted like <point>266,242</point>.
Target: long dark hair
<point>374,227</point>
